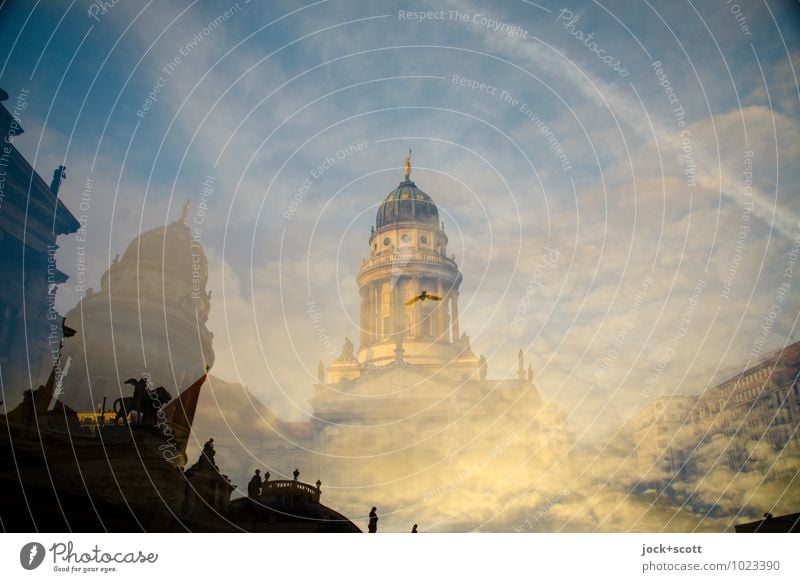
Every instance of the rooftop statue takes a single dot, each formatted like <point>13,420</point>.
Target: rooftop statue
<point>209,452</point>
<point>347,351</point>
<point>145,411</point>
<point>59,175</point>
<point>254,486</point>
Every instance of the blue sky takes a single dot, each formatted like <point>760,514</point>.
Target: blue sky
<point>266,96</point>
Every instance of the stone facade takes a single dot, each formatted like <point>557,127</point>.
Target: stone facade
<point>718,429</point>
<point>31,220</point>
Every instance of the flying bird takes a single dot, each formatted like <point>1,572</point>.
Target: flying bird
<point>422,297</point>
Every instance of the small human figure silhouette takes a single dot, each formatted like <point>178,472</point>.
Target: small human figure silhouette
<point>254,485</point>
<point>373,520</point>
<point>414,529</point>
<point>319,483</point>
<point>296,474</point>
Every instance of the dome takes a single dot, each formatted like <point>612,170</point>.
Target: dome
<point>169,245</point>
<point>157,293</point>
<point>407,203</point>
<point>165,264</point>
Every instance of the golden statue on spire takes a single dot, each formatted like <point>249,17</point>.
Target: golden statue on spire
<point>408,165</point>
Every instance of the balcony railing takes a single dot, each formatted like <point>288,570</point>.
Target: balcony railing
<point>289,488</point>
<point>405,258</point>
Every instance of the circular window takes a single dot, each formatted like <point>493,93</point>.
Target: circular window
<point>405,238</point>
<point>423,239</point>
<point>387,241</point>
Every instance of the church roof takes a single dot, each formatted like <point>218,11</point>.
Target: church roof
<point>407,203</point>
<point>169,245</point>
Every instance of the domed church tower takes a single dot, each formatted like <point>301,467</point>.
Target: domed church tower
<point>149,317</point>
<point>386,415</point>
<point>409,291</point>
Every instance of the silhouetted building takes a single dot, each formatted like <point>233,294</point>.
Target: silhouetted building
<point>770,524</point>
<point>149,316</point>
<point>57,474</point>
<point>31,220</point>
<point>288,505</point>
<point>207,492</point>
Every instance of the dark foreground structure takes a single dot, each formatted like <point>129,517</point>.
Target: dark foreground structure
<point>60,471</point>
<point>769,524</point>
<point>31,219</point>
<point>70,463</point>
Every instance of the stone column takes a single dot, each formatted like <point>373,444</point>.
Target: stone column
<point>440,332</point>
<point>416,320</point>
<point>378,311</point>
<point>373,312</point>
<point>454,315</point>
<point>364,313</point>
<point>370,307</point>
<point>393,325</point>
